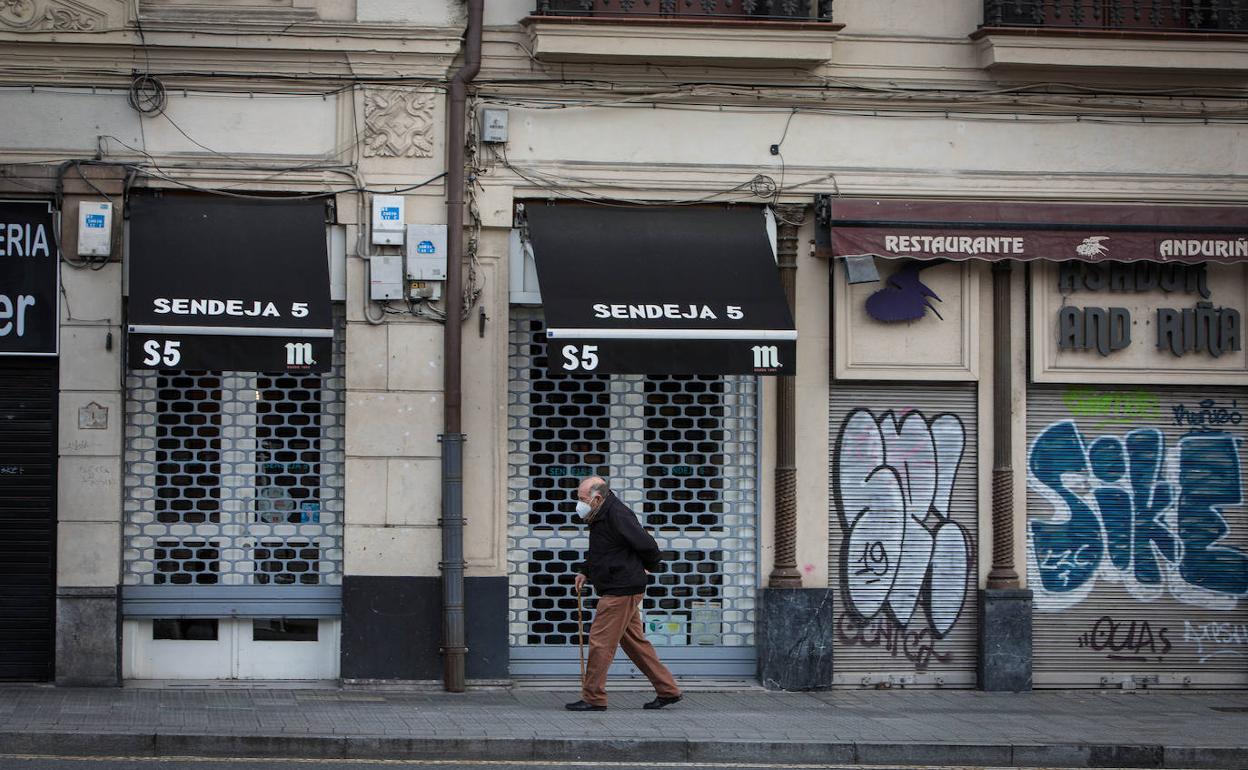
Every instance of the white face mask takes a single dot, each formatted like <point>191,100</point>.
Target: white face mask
<point>583,508</point>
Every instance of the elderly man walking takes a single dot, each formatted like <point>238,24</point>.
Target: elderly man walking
<point>621,554</point>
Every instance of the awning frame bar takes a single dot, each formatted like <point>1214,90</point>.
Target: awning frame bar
<point>569,333</point>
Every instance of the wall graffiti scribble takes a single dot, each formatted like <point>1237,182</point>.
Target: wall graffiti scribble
<point>1207,414</point>
<point>1134,640</point>
<point>1214,639</point>
<point>898,641</point>
<point>901,550</point>
<point>1122,513</point>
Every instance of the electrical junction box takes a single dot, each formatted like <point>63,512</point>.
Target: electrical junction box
<point>95,228</point>
<point>522,271</point>
<point>385,278</point>
<point>426,252</point>
<point>493,125</point>
<point>388,220</point>
<point>425,290</point>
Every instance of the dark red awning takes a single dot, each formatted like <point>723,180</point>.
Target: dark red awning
<point>961,230</point>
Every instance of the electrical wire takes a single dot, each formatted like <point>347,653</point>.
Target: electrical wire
<point>759,185</point>
<point>147,95</point>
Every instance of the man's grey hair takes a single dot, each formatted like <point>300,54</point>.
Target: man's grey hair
<point>601,488</point>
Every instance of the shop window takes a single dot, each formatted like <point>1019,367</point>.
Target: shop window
<point>287,562</point>
<point>185,629</point>
<point>285,629</point>
<point>190,561</point>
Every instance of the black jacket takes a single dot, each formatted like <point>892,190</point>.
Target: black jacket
<point>620,551</point>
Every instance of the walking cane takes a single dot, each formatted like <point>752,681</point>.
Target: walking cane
<point>580,633</point>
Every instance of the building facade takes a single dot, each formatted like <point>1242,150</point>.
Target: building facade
<point>913,334</point>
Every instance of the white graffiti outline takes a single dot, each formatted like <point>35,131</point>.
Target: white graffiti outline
<point>1216,633</point>
<point>901,548</point>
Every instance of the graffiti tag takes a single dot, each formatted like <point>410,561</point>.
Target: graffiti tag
<point>1207,414</point>
<point>1112,407</point>
<point>1135,525</point>
<point>901,549</point>
<point>1215,639</point>
<point>1126,640</point>
<point>918,647</point>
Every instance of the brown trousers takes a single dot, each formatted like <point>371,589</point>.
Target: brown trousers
<point>617,622</point>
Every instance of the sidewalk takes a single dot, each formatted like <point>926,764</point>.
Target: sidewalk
<point>1050,729</point>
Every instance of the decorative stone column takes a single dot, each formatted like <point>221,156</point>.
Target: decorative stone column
<point>794,624</point>
<point>1004,608</point>
<point>784,572</point>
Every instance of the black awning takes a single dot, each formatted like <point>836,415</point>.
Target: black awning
<point>661,290</point>
<point>228,284</point>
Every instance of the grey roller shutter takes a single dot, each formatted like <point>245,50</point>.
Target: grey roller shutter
<point>233,498</point>
<point>903,533</point>
<point>682,452</point>
<point>28,392</point>
<point>1137,536</point>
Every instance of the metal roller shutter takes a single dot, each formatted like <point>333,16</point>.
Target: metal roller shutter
<point>28,392</point>
<point>681,451</point>
<point>903,533</point>
<point>1137,536</point>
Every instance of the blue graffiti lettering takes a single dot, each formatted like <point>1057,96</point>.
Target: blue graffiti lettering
<point>1209,480</point>
<point>1149,497</point>
<point>1076,543</point>
<point>1126,527</point>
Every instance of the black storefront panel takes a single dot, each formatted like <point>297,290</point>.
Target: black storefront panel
<point>28,407</point>
<point>229,285</point>
<point>29,280</point>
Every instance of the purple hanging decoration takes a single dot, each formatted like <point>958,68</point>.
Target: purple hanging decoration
<point>904,297</point>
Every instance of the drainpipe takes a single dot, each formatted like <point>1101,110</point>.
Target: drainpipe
<point>454,647</point>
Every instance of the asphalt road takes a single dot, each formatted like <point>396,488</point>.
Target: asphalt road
<point>20,762</point>
<point>25,762</point>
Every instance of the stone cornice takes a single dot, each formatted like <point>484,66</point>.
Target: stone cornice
<point>112,59</point>
<point>112,22</point>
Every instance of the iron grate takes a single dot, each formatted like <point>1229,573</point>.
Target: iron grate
<point>235,478</point>
<point>681,451</point>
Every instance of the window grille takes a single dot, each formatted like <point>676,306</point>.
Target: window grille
<point>681,451</point>
<point>235,478</point>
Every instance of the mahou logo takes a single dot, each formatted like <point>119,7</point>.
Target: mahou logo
<point>766,356</point>
<point>299,354</point>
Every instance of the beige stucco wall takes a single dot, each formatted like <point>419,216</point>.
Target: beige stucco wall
<point>653,138</point>
<point>240,129</point>
<point>90,465</point>
<point>621,131</point>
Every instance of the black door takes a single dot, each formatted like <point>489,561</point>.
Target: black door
<point>28,397</point>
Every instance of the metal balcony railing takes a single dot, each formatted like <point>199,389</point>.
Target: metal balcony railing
<point>697,10</point>
<point>1124,15</point>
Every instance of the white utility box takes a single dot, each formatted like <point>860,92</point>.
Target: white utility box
<point>95,228</point>
<point>493,125</point>
<point>426,252</point>
<point>385,278</point>
<point>388,220</point>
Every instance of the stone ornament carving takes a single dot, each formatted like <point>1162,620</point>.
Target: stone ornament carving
<point>397,123</point>
<point>50,16</point>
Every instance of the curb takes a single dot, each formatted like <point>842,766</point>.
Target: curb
<point>639,750</point>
